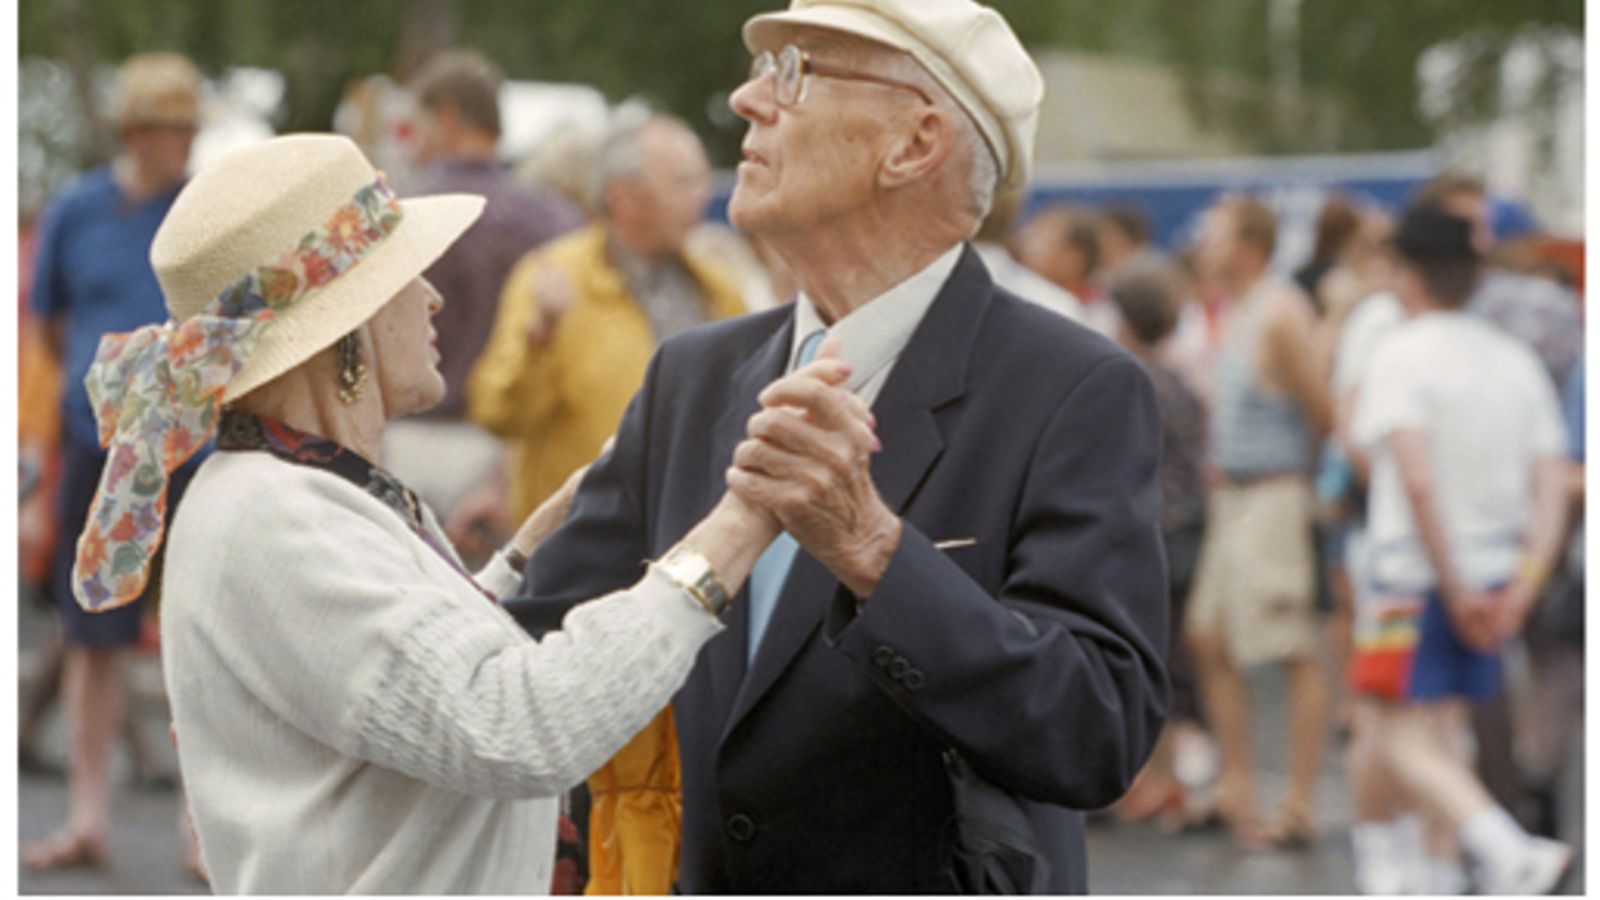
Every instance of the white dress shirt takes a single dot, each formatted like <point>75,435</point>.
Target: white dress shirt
<point>872,337</point>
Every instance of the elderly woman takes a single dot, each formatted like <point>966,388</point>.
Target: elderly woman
<point>353,710</point>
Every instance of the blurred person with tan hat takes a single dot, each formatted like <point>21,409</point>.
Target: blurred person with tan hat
<point>978,610</point>
<point>353,711</point>
<point>93,277</point>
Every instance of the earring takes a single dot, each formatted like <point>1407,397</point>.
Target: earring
<point>352,368</point>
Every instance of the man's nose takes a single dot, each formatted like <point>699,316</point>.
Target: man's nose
<point>753,101</point>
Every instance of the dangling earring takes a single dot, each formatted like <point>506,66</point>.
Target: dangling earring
<point>352,368</point>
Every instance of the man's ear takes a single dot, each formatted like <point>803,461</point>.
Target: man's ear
<point>919,150</point>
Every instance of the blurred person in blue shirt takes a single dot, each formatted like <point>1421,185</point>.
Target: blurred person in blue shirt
<point>92,278</point>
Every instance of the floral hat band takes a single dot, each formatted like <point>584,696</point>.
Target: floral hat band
<point>157,392</point>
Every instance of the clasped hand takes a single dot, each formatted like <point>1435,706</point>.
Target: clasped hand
<point>807,460</point>
<point>1485,620</point>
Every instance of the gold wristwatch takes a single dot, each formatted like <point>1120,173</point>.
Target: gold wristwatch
<point>693,572</point>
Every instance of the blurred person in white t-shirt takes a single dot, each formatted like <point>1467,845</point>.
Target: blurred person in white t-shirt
<point>1465,514</point>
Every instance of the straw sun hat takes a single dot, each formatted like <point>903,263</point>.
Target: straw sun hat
<point>267,257</point>
<point>259,203</point>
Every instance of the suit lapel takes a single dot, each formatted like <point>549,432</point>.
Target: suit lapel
<point>931,373</point>
<point>801,606</point>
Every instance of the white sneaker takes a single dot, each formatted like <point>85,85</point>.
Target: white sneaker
<point>1536,870</point>
<point>1380,877</point>
<point>1386,864</point>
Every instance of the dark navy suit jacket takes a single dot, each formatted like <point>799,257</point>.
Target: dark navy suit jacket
<point>1036,649</point>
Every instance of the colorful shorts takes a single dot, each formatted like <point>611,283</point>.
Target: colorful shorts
<point>1407,650</point>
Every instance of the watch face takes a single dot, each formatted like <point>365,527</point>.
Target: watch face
<point>685,570</point>
<point>690,568</point>
<point>694,573</point>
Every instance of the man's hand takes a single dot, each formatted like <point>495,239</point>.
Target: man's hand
<point>553,295</point>
<point>1512,606</point>
<point>1474,617</point>
<point>807,460</point>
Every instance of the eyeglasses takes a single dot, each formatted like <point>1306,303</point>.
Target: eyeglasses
<point>791,65</point>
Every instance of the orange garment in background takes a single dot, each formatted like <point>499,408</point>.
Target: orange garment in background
<point>637,814</point>
<point>38,387</point>
<point>38,426</point>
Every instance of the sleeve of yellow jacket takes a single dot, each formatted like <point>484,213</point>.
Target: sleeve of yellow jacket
<point>513,387</point>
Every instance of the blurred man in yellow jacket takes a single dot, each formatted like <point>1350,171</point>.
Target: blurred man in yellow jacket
<point>578,321</point>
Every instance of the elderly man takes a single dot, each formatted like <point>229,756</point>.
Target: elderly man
<point>579,319</point>
<point>990,583</point>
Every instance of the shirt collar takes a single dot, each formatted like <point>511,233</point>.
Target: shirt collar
<point>872,337</point>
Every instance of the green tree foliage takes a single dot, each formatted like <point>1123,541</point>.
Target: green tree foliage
<point>685,55</point>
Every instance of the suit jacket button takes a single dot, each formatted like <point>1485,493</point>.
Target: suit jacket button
<point>883,656</point>
<point>913,679</point>
<point>899,668</point>
<point>741,827</point>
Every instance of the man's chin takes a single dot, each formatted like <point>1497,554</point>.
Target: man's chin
<point>743,213</point>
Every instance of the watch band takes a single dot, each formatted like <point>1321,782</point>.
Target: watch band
<point>693,572</point>
<point>514,558</point>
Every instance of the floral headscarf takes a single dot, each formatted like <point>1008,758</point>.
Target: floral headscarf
<point>157,393</point>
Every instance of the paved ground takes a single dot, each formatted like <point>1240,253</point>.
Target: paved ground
<point>1124,859</point>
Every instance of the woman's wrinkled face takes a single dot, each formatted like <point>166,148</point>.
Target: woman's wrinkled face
<point>404,359</point>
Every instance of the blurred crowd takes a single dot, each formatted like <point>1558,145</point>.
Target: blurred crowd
<point>1291,392</point>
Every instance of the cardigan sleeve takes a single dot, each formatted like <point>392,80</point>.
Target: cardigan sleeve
<point>343,632</point>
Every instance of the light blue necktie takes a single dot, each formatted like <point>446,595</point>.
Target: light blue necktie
<point>772,569</point>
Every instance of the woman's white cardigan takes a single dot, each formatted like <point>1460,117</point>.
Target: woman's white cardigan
<point>352,715</point>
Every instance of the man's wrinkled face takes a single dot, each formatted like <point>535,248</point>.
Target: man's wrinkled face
<point>816,160</point>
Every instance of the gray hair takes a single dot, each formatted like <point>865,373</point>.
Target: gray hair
<point>620,154</point>
<point>983,169</point>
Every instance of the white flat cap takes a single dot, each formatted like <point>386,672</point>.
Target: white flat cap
<point>967,47</point>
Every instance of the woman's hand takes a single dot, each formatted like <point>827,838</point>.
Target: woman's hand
<point>552,512</point>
